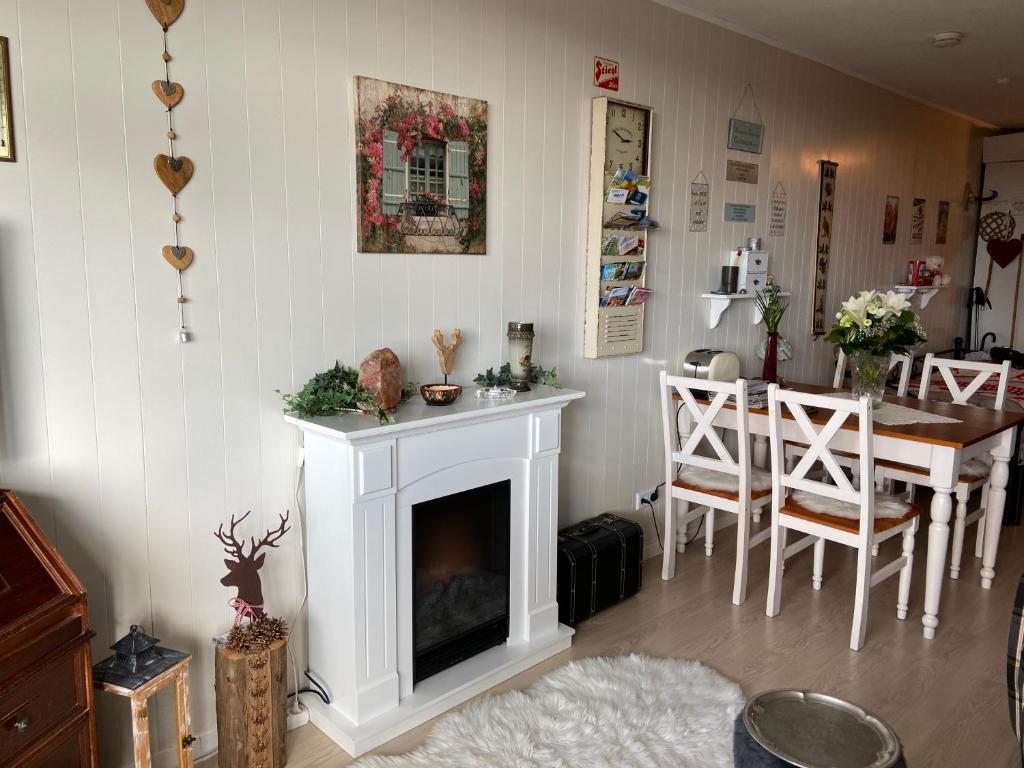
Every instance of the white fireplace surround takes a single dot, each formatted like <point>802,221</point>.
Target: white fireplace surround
<point>362,480</point>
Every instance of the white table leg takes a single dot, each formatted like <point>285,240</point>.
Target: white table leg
<point>935,570</point>
<point>760,456</point>
<point>993,520</point>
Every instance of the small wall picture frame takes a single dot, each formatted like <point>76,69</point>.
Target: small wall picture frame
<point>6,116</point>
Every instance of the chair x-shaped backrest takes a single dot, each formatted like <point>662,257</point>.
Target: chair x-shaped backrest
<point>819,440</point>
<point>701,417</point>
<point>961,395</point>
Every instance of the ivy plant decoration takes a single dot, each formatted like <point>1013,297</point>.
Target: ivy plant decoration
<point>503,377</point>
<point>337,390</point>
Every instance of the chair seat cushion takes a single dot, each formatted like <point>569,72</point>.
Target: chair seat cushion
<point>890,511</point>
<point>722,483</point>
<point>971,471</point>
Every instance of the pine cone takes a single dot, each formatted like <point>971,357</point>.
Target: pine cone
<point>258,635</point>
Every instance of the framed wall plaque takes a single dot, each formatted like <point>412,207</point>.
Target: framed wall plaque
<point>6,119</point>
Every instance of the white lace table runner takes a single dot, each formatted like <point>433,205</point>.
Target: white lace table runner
<point>893,415</point>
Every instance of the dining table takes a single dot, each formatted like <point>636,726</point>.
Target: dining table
<point>938,448</point>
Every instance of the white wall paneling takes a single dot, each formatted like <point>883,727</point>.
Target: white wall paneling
<point>130,448</point>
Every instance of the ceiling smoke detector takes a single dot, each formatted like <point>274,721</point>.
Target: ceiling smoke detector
<point>947,39</point>
<point>1002,81</point>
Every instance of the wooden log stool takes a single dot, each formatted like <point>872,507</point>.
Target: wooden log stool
<point>252,706</point>
<point>178,675</point>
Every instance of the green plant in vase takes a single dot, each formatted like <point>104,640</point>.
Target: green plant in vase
<point>772,306</point>
<point>870,328</point>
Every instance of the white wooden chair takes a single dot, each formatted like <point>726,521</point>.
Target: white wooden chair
<point>834,511</point>
<point>716,482</point>
<point>974,472</point>
<point>794,450</point>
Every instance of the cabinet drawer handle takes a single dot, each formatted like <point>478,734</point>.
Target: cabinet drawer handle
<point>22,723</point>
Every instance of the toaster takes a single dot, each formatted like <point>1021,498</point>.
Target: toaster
<point>711,364</point>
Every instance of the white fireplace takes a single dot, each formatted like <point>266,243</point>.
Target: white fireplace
<point>363,480</point>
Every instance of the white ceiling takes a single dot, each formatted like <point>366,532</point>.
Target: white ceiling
<point>888,42</point>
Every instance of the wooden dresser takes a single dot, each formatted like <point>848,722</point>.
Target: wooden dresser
<point>46,696</point>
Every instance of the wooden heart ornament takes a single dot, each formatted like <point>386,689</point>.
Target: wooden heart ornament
<point>166,11</point>
<point>1003,252</point>
<point>169,93</point>
<point>174,172</point>
<point>178,256</point>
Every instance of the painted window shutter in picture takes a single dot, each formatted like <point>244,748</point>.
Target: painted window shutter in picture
<point>394,175</point>
<point>458,178</point>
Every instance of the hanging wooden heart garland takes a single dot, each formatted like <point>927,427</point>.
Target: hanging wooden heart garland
<point>172,169</point>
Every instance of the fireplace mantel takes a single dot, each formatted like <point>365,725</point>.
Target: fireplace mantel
<point>362,479</point>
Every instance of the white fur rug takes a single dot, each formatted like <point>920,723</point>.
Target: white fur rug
<point>621,712</point>
<point>885,505</point>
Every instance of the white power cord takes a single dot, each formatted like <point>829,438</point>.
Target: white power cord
<point>296,708</point>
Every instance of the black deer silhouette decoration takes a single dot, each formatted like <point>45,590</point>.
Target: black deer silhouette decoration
<point>244,569</point>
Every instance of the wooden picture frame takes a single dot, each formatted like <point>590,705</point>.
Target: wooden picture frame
<point>6,115</point>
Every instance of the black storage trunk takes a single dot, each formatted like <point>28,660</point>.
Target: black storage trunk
<point>600,562</point>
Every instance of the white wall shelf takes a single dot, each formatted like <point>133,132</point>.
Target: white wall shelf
<point>719,302</point>
<point>925,292</point>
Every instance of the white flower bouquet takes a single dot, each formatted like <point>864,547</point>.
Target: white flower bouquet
<point>876,323</point>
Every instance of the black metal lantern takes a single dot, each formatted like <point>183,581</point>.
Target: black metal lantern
<point>137,659</point>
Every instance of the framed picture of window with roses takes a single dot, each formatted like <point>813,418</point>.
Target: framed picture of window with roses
<point>421,170</point>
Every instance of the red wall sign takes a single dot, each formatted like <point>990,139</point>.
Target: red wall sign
<point>606,74</point>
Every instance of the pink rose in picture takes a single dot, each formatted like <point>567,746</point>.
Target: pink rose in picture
<point>463,127</point>
<point>474,188</point>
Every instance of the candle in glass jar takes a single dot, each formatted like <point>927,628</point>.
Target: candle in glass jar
<point>520,354</point>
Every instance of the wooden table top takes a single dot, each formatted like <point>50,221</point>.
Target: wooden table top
<point>976,424</point>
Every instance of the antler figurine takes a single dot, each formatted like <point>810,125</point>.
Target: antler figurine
<point>244,569</point>
<point>446,352</point>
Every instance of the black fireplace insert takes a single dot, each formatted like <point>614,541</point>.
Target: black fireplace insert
<point>460,572</point>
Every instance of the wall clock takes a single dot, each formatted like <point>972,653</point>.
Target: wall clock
<point>613,318</point>
<point>6,120</point>
<point>627,129</point>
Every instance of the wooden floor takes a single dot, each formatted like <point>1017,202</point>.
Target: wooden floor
<point>946,698</point>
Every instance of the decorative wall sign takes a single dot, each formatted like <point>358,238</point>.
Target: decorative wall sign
<point>606,74</point>
<point>826,202</point>
<point>6,116</point>
<point>745,136</point>
<point>700,198</point>
<point>942,223</point>
<point>175,171</point>
<point>891,220</point>
<point>743,213</point>
<point>421,159</point>
<point>735,170</point>
<point>777,212</point>
<point>917,221</point>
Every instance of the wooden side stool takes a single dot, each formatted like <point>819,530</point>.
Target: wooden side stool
<point>139,669</point>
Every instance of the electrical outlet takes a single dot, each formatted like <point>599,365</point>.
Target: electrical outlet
<point>639,496</point>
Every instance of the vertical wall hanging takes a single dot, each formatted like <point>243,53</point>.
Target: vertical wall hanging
<point>826,199</point>
<point>777,212</point>
<point>892,219</point>
<point>942,223</point>
<point>173,170</point>
<point>6,119</point>
<point>700,196</point>
<point>917,220</point>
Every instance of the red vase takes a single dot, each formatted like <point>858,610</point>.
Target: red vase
<point>770,371</point>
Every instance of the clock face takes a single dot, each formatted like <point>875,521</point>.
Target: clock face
<point>626,144</point>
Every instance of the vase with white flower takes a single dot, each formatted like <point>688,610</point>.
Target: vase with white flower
<point>870,328</point>
<point>771,307</point>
